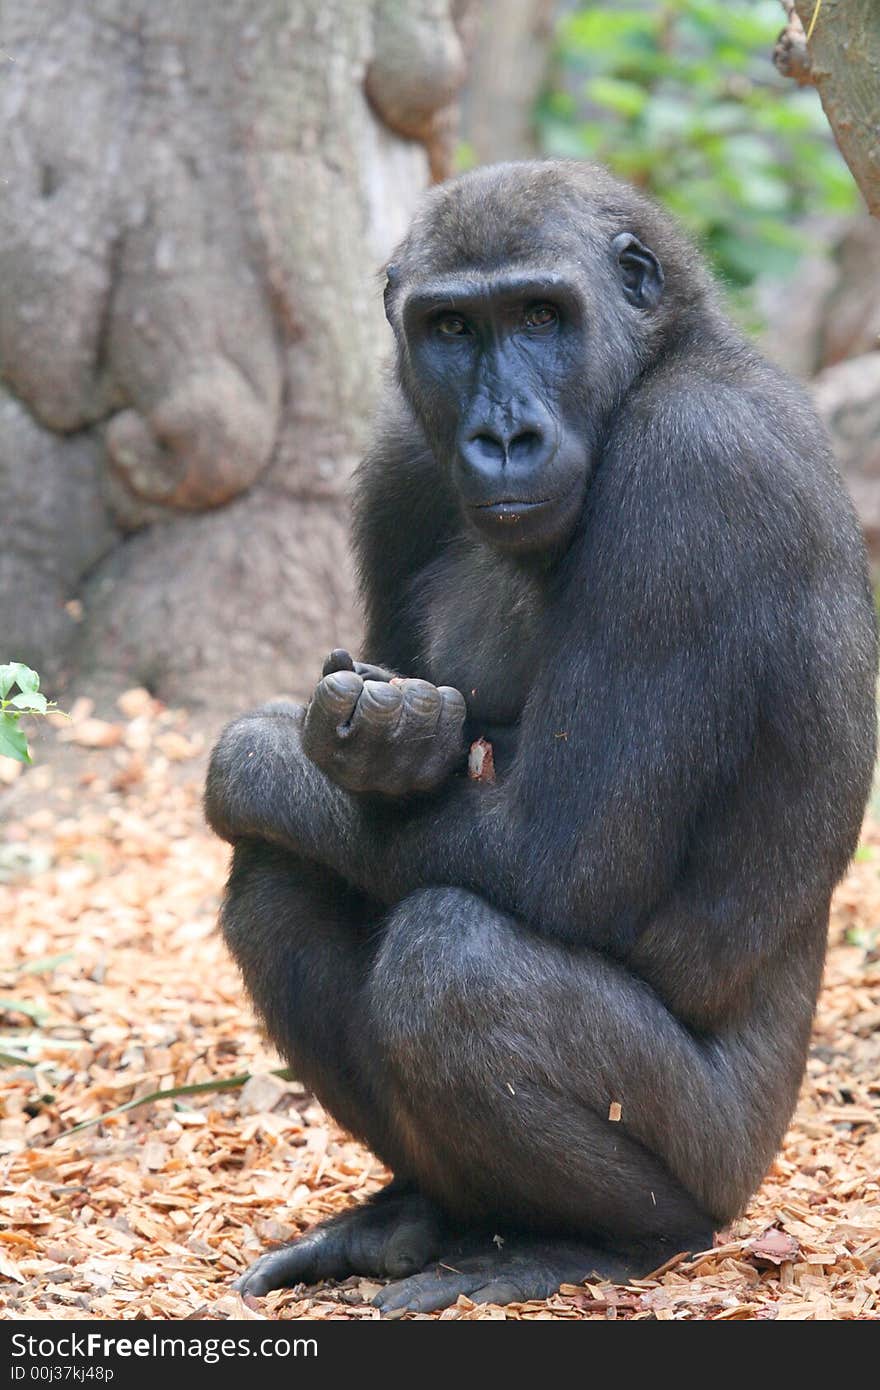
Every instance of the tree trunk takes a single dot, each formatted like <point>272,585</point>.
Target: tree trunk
<point>196,199</point>
<point>507,72</point>
<point>841,58</point>
<point>848,399</point>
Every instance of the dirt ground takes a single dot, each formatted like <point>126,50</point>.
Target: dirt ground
<point>115,983</point>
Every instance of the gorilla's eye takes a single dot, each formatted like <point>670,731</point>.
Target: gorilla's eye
<point>540,316</point>
<point>452,326</point>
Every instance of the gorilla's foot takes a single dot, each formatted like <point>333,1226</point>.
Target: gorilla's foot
<point>519,1268</point>
<point>392,1235</point>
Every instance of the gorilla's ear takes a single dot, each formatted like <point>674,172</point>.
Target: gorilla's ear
<point>640,270</point>
<point>392,276</point>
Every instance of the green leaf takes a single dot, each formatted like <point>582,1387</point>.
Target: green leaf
<point>16,673</point>
<point>626,98</point>
<point>13,743</point>
<point>26,678</point>
<point>44,964</point>
<point>594,31</point>
<point>465,157</point>
<point>865,937</point>
<point>30,700</point>
<point>36,1012</point>
<point>227,1083</point>
<point>12,1059</point>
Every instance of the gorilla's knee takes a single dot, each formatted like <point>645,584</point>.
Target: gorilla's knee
<point>432,974</point>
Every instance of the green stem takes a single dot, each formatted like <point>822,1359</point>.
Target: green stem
<point>229,1083</point>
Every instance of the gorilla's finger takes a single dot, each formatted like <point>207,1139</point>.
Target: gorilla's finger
<point>325,1252</point>
<point>423,1293</point>
<point>281,1269</point>
<point>338,660</point>
<point>329,713</point>
<point>374,673</point>
<point>501,1291</point>
<point>422,706</point>
<point>378,710</point>
<point>336,697</point>
<point>454,711</point>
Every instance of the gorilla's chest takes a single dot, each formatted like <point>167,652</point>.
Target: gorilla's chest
<point>479,617</point>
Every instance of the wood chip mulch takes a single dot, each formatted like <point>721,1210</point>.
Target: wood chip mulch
<point>114,983</point>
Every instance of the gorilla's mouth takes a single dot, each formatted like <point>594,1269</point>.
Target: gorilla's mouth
<point>519,523</point>
<point>510,508</point>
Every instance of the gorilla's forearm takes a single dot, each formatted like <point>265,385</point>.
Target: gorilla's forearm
<point>262,786</point>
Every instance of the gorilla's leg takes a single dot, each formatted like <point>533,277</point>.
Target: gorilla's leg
<point>304,941</point>
<point>493,1068</point>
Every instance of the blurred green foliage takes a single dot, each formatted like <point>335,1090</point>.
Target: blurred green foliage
<point>682,99</point>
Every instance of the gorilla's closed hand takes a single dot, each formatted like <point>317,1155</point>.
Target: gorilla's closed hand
<point>372,731</point>
<point>594,511</point>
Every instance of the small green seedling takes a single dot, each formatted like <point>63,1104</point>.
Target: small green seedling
<point>13,708</point>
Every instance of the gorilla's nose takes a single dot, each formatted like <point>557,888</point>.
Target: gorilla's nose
<point>488,448</point>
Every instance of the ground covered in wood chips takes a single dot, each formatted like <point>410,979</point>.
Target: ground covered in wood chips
<point>114,983</point>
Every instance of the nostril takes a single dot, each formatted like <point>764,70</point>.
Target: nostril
<point>487,446</point>
<point>524,443</point>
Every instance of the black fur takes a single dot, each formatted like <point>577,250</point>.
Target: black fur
<point>674,657</point>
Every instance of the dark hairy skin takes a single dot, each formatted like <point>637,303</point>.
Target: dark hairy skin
<point>597,529</point>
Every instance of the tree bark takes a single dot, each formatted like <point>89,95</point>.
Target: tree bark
<point>841,58</point>
<point>196,200</point>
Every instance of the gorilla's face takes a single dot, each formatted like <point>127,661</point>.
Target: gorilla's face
<point>498,360</point>
<point>512,371</point>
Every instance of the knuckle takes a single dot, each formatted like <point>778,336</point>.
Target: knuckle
<point>381,701</point>
<point>421,697</point>
<point>339,691</point>
<point>453,700</point>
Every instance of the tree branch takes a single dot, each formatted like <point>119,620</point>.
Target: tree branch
<point>842,60</point>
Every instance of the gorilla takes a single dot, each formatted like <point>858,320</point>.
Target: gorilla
<point>569,1008</point>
